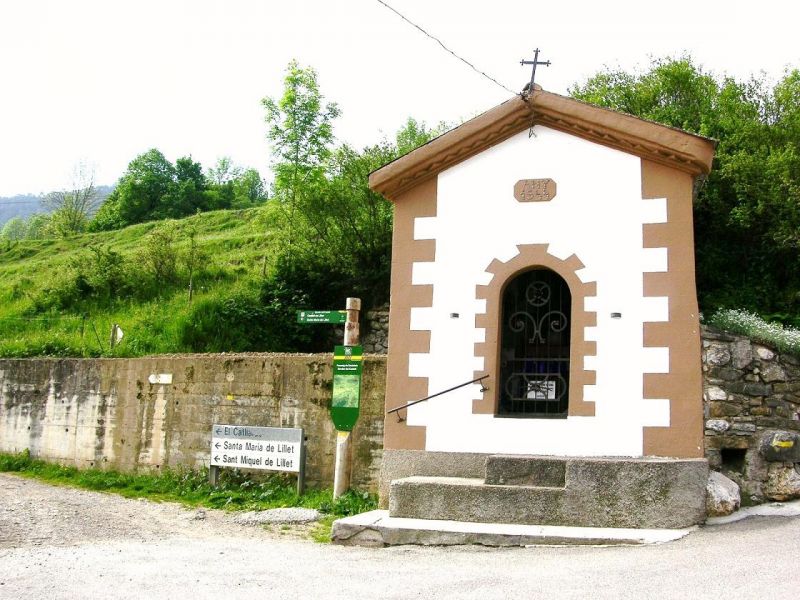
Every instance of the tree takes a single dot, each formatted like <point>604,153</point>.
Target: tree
<point>414,134</point>
<point>14,230</point>
<point>301,133</point>
<point>185,194</point>
<point>158,255</point>
<point>153,188</point>
<point>138,194</point>
<point>234,186</point>
<point>223,172</point>
<point>72,207</point>
<point>249,188</point>
<point>38,226</point>
<point>344,232</point>
<point>747,213</point>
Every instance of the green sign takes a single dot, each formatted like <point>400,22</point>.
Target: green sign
<point>322,316</point>
<point>346,386</point>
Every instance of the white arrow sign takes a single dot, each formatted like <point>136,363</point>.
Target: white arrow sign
<point>245,447</point>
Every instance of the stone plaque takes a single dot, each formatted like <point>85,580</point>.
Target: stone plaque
<point>535,190</point>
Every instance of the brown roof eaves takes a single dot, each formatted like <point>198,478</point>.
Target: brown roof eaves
<point>666,145</point>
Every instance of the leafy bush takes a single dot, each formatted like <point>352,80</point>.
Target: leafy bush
<point>153,188</point>
<point>101,275</point>
<point>267,321</point>
<point>238,323</point>
<point>15,229</point>
<point>785,339</point>
<point>158,256</point>
<point>307,282</point>
<point>13,463</point>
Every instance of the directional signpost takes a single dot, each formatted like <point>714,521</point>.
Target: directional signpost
<point>346,383</point>
<point>268,448</point>
<point>336,317</point>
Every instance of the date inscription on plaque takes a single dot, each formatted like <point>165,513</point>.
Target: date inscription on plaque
<point>535,190</point>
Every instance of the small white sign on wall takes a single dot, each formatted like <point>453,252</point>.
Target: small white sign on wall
<point>163,378</point>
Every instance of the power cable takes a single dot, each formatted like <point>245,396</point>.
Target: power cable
<point>438,41</point>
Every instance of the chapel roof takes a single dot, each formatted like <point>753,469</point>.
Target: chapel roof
<point>652,141</point>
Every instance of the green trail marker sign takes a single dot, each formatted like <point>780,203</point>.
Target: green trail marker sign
<point>337,317</point>
<point>346,401</point>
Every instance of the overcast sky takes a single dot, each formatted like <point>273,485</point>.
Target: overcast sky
<point>103,80</point>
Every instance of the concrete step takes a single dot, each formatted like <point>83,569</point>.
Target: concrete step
<point>377,529</point>
<point>616,492</point>
<point>535,471</point>
<point>472,500</point>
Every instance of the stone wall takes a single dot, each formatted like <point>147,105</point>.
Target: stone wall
<point>376,331</point>
<point>752,411</point>
<point>107,413</point>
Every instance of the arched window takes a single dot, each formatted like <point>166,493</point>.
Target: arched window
<point>534,346</point>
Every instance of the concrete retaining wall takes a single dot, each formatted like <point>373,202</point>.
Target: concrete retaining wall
<point>107,413</point>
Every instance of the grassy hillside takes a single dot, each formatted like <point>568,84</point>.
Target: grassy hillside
<point>151,313</point>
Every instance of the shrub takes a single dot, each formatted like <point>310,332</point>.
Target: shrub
<point>14,230</point>
<point>785,339</point>
<point>101,275</point>
<point>309,282</point>
<point>238,323</point>
<point>267,321</point>
<point>159,257</point>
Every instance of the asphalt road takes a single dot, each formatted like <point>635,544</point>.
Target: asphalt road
<point>64,543</point>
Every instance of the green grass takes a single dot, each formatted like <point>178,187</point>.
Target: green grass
<point>235,242</point>
<point>321,533</point>
<point>784,339</point>
<point>236,491</point>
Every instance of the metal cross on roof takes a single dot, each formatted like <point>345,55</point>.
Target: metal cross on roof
<point>528,90</point>
<point>533,62</point>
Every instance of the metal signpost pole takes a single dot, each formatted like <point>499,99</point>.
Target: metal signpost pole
<point>341,476</point>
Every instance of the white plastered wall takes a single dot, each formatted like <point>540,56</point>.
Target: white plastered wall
<point>597,214</point>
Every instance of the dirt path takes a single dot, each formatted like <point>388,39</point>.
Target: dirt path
<point>36,514</point>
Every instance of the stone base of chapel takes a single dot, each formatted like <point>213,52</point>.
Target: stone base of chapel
<point>615,492</point>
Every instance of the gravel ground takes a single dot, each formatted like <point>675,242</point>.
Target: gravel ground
<point>64,543</point>
<point>278,515</point>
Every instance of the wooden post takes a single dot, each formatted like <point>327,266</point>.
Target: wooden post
<point>301,473</point>
<point>341,475</point>
<point>351,330</point>
<point>213,475</point>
